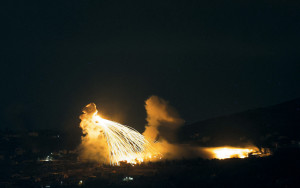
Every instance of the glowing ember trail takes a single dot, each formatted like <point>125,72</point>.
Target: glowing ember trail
<point>123,142</point>
<point>232,152</point>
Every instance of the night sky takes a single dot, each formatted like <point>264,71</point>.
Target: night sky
<point>206,58</point>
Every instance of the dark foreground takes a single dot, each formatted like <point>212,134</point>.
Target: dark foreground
<point>279,170</point>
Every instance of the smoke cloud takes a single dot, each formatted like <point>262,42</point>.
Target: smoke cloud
<point>163,120</point>
<point>162,130</point>
<point>93,147</point>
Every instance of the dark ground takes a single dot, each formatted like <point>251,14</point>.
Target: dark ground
<point>282,169</point>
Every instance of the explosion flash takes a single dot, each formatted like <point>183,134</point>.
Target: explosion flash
<point>232,152</point>
<point>123,142</point>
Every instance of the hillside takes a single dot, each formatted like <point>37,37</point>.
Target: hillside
<point>273,126</point>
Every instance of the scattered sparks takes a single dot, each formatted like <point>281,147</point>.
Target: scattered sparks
<point>124,143</point>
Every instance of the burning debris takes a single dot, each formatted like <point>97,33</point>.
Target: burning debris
<point>119,142</point>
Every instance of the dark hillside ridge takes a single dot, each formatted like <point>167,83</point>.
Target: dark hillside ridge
<point>274,126</point>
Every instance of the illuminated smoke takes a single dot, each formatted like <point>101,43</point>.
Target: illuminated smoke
<point>107,140</point>
<point>93,144</point>
<point>163,120</point>
<point>163,124</point>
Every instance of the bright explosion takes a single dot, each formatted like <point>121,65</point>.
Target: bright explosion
<point>109,142</point>
<point>232,152</point>
<point>123,142</point>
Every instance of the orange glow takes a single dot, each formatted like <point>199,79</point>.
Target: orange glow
<point>232,152</point>
<point>122,143</point>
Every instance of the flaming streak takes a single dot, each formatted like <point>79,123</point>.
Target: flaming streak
<point>124,143</point>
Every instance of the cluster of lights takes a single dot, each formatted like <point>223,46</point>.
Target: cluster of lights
<point>128,178</point>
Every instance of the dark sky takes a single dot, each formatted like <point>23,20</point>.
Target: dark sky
<point>207,58</point>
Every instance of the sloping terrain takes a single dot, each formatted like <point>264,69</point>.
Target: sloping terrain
<point>273,126</point>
